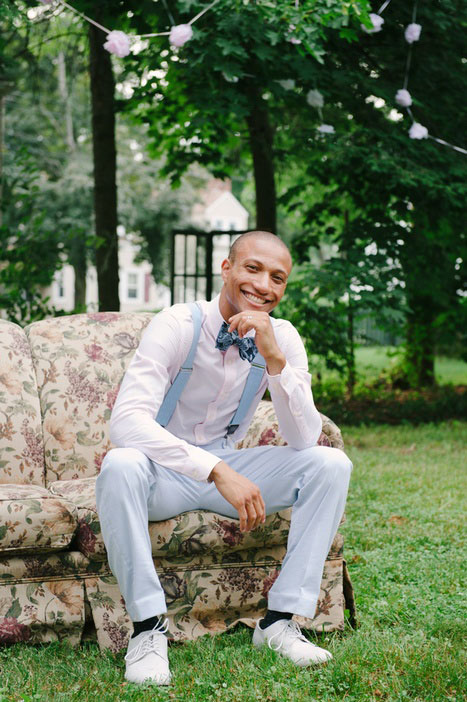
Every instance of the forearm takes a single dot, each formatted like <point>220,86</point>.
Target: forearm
<point>299,420</point>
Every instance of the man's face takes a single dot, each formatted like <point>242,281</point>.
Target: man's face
<point>256,279</point>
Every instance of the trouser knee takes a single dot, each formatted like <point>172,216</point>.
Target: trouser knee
<point>335,466</point>
<point>121,468</point>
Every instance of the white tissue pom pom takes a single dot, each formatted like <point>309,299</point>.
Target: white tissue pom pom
<point>377,22</point>
<point>118,43</point>
<point>325,129</point>
<point>288,84</point>
<point>314,98</point>
<point>180,34</point>
<point>418,131</point>
<point>412,32</point>
<point>403,98</point>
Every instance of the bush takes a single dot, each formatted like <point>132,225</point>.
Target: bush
<point>383,405</point>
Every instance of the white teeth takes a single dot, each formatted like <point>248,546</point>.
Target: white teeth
<point>253,298</point>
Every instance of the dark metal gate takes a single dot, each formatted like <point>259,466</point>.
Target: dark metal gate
<point>196,263</point>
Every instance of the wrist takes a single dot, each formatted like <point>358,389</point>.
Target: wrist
<point>275,364</point>
<point>216,471</point>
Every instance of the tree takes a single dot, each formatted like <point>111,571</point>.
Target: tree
<point>409,195</point>
<point>220,99</point>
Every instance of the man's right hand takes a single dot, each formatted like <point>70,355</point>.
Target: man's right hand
<point>242,494</point>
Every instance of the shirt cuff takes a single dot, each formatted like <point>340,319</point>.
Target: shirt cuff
<point>202,463</point>
<point>284,380</point>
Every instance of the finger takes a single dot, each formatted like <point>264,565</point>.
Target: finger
<point>251,511</point>
<point>260,511</point>
<point>242,514</point>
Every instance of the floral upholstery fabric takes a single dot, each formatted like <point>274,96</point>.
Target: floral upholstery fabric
<point>21,448</point>
<point>209,601</point>
<point>53,568</point>
<point>264,430</point>
<point>80,361</point>
<point>31,519</point>
<point>42,611</point>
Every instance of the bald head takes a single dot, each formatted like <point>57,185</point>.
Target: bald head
<point>249,236</point>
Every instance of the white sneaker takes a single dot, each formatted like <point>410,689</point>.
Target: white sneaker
<point>146,659</point>
<point>285,637</point>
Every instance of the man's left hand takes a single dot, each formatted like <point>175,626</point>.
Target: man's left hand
<point>265,339</point>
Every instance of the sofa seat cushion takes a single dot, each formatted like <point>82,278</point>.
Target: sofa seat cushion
<point>183,537</point>
<point>34,520</point>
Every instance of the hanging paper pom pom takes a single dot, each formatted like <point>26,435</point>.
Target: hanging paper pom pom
<point>377,22</point>
<point>418,131</point>
<point>287,84</point>
<point>180,34</point>
<point>325,129</point>
<point>412,32</point>
<point>118,43</point>
<point>314,98</point>
<point>403,98</point>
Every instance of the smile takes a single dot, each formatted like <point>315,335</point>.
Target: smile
<point>253,298</point>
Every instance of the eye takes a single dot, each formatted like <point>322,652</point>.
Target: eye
<point>251,267</point>
<point>278,279</point>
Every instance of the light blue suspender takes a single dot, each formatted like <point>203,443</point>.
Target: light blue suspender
<point>252,384</point>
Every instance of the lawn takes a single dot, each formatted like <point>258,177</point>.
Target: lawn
<point>372,360</point>
<point>405,540</point>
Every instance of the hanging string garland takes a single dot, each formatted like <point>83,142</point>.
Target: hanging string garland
<point>403,98</point>
<point>119,43</point>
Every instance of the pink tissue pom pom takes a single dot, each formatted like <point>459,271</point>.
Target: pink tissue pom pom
<point>180,34</point>
<point>118,43</point>
<point>377,22</point>
<point>418,131</point>
<point>412,32</point>
<point>403,98</point>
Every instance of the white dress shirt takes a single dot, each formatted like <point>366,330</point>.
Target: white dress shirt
<point>211,395</point>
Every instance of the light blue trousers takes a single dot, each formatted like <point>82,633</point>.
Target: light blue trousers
<point>132,490</point>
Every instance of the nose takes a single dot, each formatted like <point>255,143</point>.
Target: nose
<point>262,282</point>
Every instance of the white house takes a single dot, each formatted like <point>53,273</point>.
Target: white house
<point>218,210</point>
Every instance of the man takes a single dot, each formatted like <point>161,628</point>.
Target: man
<point>159,472</point>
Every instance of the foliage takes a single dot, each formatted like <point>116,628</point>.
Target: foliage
<point>29,250</point>
<point>379,404</point>
<point>405,196</point>
<point>197,104</point>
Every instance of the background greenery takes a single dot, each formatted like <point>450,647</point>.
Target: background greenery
<point>405,536</point>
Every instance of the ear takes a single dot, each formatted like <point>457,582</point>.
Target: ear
<point>226,265</point>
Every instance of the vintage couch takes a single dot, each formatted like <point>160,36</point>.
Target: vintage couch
<point>58,382</point>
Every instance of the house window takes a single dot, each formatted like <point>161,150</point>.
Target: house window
<point>133,287</point>
<point>60,282</point>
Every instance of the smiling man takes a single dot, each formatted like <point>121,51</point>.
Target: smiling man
<point>164,468</point>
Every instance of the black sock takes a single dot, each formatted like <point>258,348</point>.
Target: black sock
<point>146,625</point>
<point>272,616</point>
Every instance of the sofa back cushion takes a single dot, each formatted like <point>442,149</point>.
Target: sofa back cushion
<point>21,446</point>
<point>80,361</point>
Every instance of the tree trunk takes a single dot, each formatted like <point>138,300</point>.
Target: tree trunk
<point>261,144</point>
<point>105,166</point>
<point>419,346</point>
<point>63,88</point>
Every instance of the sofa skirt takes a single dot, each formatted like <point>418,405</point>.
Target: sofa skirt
<point>65,596</point>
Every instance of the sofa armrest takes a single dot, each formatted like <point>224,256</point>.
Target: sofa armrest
<point>264,430</point>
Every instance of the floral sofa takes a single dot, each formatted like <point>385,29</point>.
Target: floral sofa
<point>58,382</point>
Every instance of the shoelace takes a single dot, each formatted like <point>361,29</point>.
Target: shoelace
<point>292,629</point>
<point>149,644</point>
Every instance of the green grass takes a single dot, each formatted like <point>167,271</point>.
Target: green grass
<point>405,541</point>
<point>372,360</point>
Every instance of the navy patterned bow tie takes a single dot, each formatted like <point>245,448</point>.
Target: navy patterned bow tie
<point>246,346</point>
